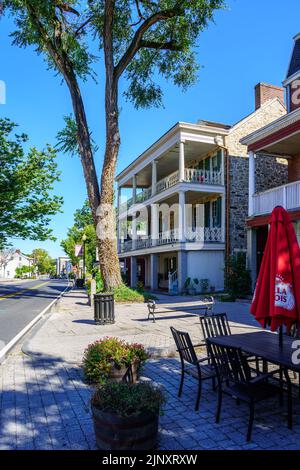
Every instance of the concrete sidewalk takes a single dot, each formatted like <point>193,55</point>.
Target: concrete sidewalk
<point>71,328</point>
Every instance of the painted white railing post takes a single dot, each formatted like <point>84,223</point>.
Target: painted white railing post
<point>284,197</point>
<point>251,183</point>
<point>181,216</point>
<point>223,218</point>
<point>181,161</point>
<point>154,224</point>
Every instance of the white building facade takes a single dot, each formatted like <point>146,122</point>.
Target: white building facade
<point>15,260</point>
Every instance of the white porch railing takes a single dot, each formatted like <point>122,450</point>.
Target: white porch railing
<point>203,176</point>
<point>169,236</point>
<point>204,234</point>
<point>144,242</point>
<point>287,196</point>
<point>167,182</point>
<point>173,282</point>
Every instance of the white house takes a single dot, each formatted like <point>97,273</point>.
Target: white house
<point>10,262</point>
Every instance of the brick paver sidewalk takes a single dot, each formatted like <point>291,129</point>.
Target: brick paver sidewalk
<point>44,402</point>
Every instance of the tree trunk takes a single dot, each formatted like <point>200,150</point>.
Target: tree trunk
<point>107,241</point>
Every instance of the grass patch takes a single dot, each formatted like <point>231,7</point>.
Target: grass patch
<point>124,294</point>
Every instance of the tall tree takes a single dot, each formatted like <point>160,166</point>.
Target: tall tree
<point>141,40</point>
<point>26,182</point>
<point>42,261</point>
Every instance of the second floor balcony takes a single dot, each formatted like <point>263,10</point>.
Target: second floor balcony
<point>287,196</point>
<point>191,175</point>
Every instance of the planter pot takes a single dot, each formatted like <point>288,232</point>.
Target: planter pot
<point>104,309</point>
<point>132,433</point>
<point>124,373</point>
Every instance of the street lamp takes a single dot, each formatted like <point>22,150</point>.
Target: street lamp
<point>84,237</point>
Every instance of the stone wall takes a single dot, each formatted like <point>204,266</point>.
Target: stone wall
<point>270,172</point>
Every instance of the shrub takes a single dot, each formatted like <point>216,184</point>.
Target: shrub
<point>126,400</point>
<point>237,276</point>
<point>100,357</point>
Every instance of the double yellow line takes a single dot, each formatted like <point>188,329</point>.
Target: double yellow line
<point>7,296</point>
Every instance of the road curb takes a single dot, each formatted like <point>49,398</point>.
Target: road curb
<point>8,347</point>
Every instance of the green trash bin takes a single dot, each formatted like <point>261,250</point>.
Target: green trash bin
<point>104,309</point>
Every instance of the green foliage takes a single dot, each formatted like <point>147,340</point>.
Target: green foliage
<point>124,293</point>
<point>187,283</point>
<point>107,353</point>
<point>43,262</point>
<point>167,49</point>
<point>67,138</point>
<point>83,225</point>
<point>26,183</point>
<point>237,276</point>
<point>23,271</point>
<point>126,400</point>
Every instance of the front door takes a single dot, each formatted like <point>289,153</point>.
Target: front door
<point>261,241</point>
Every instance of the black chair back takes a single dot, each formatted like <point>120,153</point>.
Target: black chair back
<point>230,363</point>
<point>184,346</point>
<point>214,325</point>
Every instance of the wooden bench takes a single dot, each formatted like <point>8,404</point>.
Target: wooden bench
<point>205,305</point>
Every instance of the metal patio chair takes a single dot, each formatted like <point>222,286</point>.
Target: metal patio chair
<point>199,368</point>
<point>236,379</point>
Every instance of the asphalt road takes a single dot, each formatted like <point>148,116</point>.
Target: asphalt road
<point>22,301</point>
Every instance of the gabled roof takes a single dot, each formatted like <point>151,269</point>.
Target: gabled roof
<point>294,66</point>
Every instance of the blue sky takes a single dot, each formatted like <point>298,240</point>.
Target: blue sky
<point>249,42</point>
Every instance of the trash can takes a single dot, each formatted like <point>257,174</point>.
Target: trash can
<point>80,283</point>
<point>104,309</point>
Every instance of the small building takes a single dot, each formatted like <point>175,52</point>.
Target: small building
<point>63,266</point>
<point>10,263</point>
<point>189,199</point>
<point>278,141</point>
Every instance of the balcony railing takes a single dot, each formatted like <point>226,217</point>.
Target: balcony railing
<point>191,176</point>
<point>203,176</point>
<point>198,235</point>
<point>287,196</point>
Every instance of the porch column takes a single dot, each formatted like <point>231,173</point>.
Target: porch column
<point>133,271</point>
<point>182,269</point>
<point>134,189</point>
<point>223,167</point>
<point>154,224</point>
<point>181,216</point>
<point>252,254</point>
<point>154,271</point>
<point>251,182</point>
<point>133,228</point>
<point>223,218</point>
<point>181,161</point>
<point>154,177</point>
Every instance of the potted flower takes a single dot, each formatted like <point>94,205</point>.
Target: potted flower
<point>126,416</point>
<point>204,283</point>
<point>113,359</point>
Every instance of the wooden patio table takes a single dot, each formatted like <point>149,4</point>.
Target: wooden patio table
<point>266,346</point>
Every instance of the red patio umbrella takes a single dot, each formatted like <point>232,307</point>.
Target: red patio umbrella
<point>276,300</point>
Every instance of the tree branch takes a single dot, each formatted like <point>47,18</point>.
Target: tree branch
<point>169,46</point>
<point>138,37</point>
